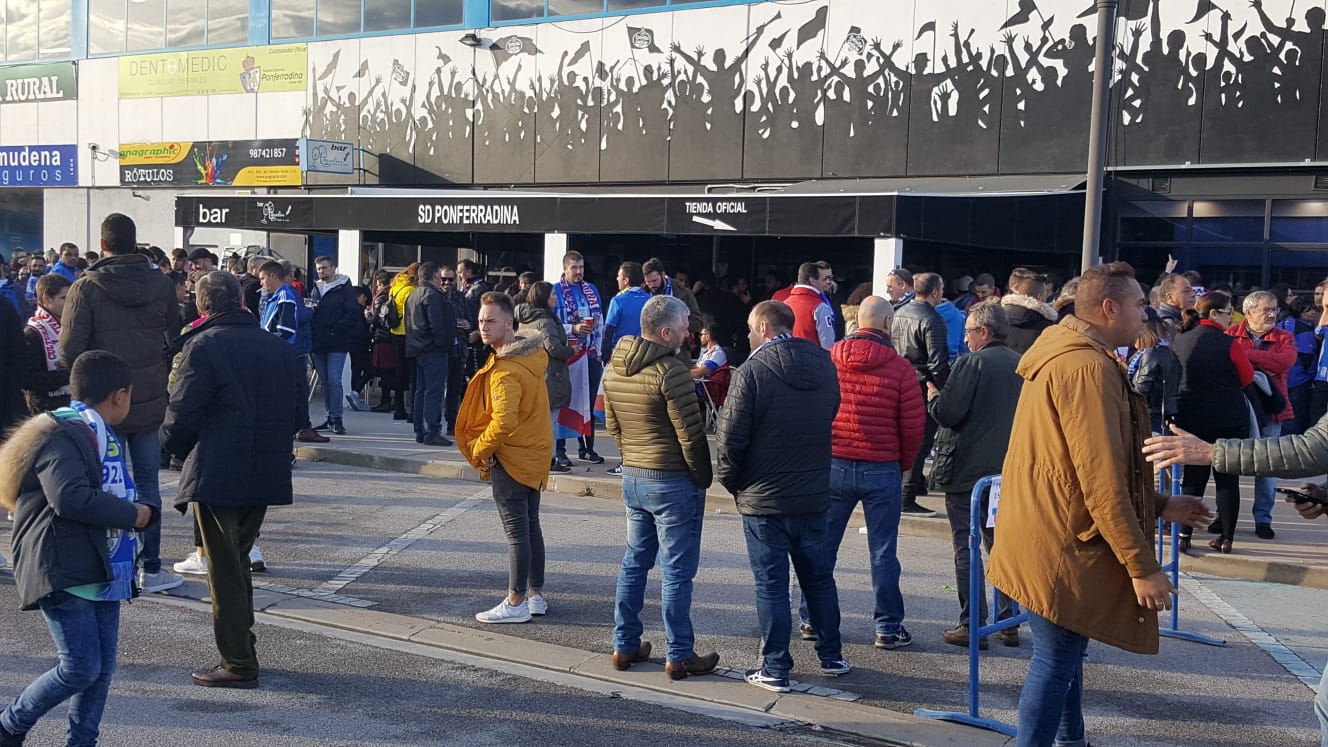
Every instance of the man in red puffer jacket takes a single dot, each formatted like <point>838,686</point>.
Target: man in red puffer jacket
<point>878,427</point>
<point>1273,351</point>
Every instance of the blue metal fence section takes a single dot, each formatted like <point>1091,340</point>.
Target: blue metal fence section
<point>1172,630</point>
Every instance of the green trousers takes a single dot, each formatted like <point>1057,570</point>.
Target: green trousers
<point>228,534</point>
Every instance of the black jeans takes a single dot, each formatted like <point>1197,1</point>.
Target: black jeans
<point>405,371</point>
<point>430,379</point>
<point>957,509</point>
<point>228,535</point>
<point>518,507</point>
<point>456,386</point>
<point>914,482</point>
<point>1194,481</point>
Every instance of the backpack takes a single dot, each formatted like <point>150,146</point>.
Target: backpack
<point>387,315</point>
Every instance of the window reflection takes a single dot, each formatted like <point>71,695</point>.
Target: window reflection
<point>575,7</point>
<point>292,19</point>
<point>106,26</point>
<point>55,24</point>
<point>228,22</point>
<point>386,15</point>
<point>147,20</point>
<point>512,10</point>
<point>338,17</point>
<point>437,13</point>
<point>635,4</point>
<point>21,29</point>
<point>185,23</point>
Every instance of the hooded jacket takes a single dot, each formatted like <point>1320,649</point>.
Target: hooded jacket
<point>52,474</point>
<point>431,322</point>
<point>338,319</point>
<point>651,410</point>
<point>1028,318</point>
<point>541,322</point>
<point>505,414</point>
<point>233,408</point>
<point>124,306</point>
<point>881,416</point>
<point>1078,505</point>
<point>975,411</point>
<point>773,438</point>
<point>399,291</point>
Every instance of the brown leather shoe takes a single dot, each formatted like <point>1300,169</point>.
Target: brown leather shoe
<point>696,665</point>
<point>222,677</point>
<point>1008,637</point>
<point>623,660</point>
<point>311,436</point>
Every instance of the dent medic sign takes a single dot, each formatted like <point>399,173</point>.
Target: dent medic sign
<point>215,71</point>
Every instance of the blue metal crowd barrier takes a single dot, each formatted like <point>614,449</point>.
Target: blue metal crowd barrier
<point>1172,630</point>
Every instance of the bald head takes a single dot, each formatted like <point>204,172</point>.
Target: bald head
<point>875,313</point>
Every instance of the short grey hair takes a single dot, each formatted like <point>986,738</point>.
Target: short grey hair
<point>991,314</point>
<point>218,292</point>
<point>660,312</point>
<point>1256,298</point>
<point>256,261</point>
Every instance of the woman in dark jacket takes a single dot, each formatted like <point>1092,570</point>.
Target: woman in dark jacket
<point>537,315</point>
<point>1155,371</point>
<point>1214,374</point>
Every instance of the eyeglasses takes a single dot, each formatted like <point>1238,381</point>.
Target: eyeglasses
<point>1223,311</point>
<point>973,330</point>
<point>448,280</point>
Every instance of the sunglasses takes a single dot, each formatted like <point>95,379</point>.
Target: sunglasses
<point>449,280</point>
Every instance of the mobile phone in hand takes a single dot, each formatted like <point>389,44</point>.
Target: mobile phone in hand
<point>1299,496</point>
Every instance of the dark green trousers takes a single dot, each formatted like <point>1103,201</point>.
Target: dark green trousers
<point>228,534</point>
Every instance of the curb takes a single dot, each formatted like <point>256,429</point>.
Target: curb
<point>1227,566</point>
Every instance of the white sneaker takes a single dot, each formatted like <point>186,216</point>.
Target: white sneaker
<point>506,613</point>
<point>538,607</point>
<point>194,565</point>
<point>163,580</point>
<point>256,563</point>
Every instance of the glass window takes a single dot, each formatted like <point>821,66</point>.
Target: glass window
<point>1228,220</point>
<point>106,26</point>
<point>338,17</point>
<point>386,15</point>
<point>1300,221</point>
<point>635,4</point>
<point>184,23</point>
<point>228,22</point>
<point>292,18</point>
<point>515,10</point>
<point>147,24</point>
<point>437,13</point>
<point>55,25</point>
<point>575,7</point>
<point>21,29</point>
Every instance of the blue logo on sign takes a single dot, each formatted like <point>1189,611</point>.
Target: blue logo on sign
<point>39,166</point>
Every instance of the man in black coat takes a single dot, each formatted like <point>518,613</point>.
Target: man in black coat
<point>336,323</point>
<point>975,412</point>
<point>431,335</point>
<point>773,443</point>
<point>1027,313</point>
<point>918,332</point>
<point>231,415</point>
<point>12,356</point>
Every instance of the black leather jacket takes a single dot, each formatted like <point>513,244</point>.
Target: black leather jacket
<point>918,333</point>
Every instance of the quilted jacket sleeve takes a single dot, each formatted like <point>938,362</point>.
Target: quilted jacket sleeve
<point>685,414</point>
<point>1303,455</point>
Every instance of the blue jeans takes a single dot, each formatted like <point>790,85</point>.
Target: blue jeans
<point>771,542</point>
<point>329,367</point>
<point>145,459</point>
<point>430,381</point>
<point>1321,707</point>
<point>663,521</point>
<point>85,635</point>
<point>1263,486</point>
<point>1051,711</point>
<point>879,486</point>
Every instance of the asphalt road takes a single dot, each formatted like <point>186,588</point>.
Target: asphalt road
<point>327,691</point>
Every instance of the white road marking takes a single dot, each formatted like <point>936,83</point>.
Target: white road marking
<point>1288,659</point>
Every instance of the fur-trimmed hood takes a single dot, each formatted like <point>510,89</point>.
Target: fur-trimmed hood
<point>1031,304</point>
<point>18,453</point>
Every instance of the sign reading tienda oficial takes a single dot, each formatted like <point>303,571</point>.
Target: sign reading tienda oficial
<point>238,163</point>
<point>53,81</point>
<point>215,71</point>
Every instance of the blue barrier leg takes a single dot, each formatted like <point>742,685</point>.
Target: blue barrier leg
<point>975,629</point>
<point>1173,569</point>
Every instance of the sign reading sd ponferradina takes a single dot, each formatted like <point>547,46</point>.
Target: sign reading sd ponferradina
<point>48,81</point>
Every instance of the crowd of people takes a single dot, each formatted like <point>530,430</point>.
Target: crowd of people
<point>141,360</point>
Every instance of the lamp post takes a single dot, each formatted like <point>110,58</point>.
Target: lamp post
<point>1097,132</point>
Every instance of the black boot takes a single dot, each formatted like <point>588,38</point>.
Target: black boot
<point>10,739</point>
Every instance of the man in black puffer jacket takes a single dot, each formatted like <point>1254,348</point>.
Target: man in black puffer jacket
<point>919,334</point>
<point>774,457</point>
<point>232,411</point>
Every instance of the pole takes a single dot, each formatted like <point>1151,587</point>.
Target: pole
<point>1097,133</point>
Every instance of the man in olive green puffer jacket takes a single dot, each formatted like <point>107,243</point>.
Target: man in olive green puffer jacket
<point>651,409</point>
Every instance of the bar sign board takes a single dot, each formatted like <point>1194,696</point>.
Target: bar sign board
<point>327,156</point>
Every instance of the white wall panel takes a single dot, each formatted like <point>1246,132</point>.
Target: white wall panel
<point>231,117</point>
<point>98,120</point>
<point>182,117</point>
<point>278,115</point>
<point>57,123</point>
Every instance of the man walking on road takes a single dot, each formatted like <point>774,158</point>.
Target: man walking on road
<point>651,409</point>
<point>231,415</point>
<point>334,326</point>
<point>124,306</point>
<point>431,334</point>
<point>918,333</point>
<point>782,402</point>
<point>975,411</point>
<point>877,430</point>
<point>1080,506</point>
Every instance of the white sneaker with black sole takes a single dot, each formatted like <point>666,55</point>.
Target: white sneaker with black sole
<point>193,565</point>
<point>506,613</point>
<point>538,606</point>
<point>256,564</point>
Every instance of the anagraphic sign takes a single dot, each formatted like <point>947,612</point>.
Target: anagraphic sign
<point>232,163</point>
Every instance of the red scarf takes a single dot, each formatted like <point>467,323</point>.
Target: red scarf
<point>48,327</point>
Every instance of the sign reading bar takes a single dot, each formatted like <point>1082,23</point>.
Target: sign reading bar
<point>39,166</point>
<point>237,163</point>
<point>215,71</point>
<point>327,156</point>
<point>52,81</point>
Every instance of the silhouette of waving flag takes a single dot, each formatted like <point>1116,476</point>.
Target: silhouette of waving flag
<point>777,43</point>
<point>1025,14</point>
<point>813,28</point>
<point>331,66</point>
<point>928,27</point>
<point>642,38</point>
<point>510,46</point>
<point>1205,7</point>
